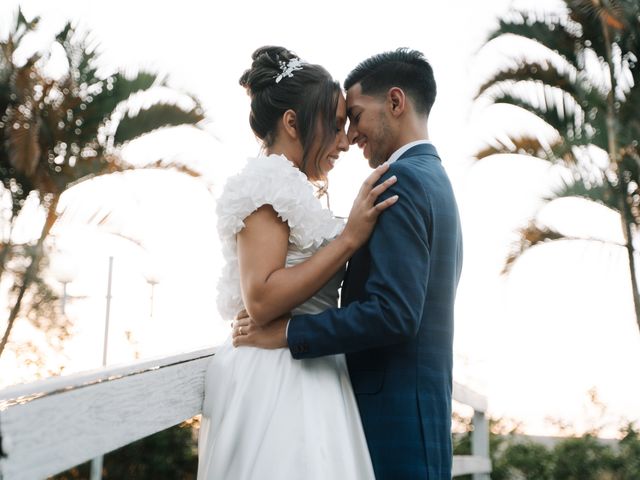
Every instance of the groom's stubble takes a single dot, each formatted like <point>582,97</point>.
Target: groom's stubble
<point>380,144</point>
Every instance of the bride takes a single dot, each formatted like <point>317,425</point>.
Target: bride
<point>266,415</point>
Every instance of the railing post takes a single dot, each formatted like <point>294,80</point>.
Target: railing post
<point>480,441</point>
<point>96,468</point>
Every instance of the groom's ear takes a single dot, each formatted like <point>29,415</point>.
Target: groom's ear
<point>289,123</point>
<point>397,101</point>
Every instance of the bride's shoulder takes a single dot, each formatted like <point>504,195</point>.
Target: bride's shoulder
<point>262,174</point>
<point>275,181</point>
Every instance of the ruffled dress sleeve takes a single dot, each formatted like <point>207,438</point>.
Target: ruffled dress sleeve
<point>274,181</point>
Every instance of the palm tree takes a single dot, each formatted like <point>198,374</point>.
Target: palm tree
<point>58,132</point>
<point>586,89</point>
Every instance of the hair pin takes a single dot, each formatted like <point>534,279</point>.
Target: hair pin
<point>288,68</point>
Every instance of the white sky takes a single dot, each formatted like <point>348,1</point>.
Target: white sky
<point>534,342</point>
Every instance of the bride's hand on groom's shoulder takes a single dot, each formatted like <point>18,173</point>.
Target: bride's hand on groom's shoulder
<point>365,211</point>
<point>246,333</point>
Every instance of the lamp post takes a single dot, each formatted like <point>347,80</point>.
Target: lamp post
<point>153,278</point>
<point>65,271</point>
<point>96,463</point>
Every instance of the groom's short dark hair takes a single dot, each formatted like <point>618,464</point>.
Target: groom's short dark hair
<point>403,68</point>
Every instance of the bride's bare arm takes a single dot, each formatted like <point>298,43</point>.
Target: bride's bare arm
<point>268,288</point>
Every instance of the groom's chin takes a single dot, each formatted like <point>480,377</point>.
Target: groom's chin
<point>374,162</point>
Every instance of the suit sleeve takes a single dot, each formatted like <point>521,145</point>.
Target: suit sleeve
<point>396,288</point>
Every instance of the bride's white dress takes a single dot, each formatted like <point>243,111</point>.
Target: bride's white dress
<point>266,415</point>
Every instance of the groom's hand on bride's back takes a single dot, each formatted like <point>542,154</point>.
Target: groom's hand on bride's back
<point>246,333</point>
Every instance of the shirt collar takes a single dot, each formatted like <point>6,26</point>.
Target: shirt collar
<point>398,153</point>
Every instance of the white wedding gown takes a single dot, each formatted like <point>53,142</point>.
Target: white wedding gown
<point>266,415</point>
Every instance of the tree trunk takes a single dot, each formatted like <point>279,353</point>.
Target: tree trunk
<point>31,271</point>
<point>625,210</point>
<point>632,271</point>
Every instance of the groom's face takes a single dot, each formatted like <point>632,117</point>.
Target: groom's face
<point>368,125</point>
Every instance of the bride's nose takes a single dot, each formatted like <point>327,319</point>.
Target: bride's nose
<point>343,142</point>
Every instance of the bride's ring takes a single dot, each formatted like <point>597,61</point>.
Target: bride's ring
<point>240,331</point>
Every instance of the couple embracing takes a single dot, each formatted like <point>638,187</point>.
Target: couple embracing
<point>303,389</point>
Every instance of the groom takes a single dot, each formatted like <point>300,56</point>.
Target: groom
<point>396,319</point>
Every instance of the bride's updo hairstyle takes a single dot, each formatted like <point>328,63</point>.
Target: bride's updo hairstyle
<point>310,92</point>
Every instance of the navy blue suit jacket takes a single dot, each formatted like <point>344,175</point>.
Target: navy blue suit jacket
<point>396,323</point>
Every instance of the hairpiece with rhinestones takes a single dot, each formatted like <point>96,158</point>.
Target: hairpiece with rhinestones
<point>288,68</point>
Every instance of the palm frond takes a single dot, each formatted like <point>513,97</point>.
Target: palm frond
<point>523,145</point>
<point>114,164</point>
<point>107,218</point>
<point>568,81</point>
<point>113,91</point>
<point>89,167</point>
<point>557,108</point>
<point>536,235</point>
<point>530,236</point>
<point>609,12</point>
<point>65,35</point>
<point>629,37</point>
<point>558,152</point>
<point>165,165</point>
<point>557,37</point>
<point>156,116</point>
<point>119,87</point>
<point>630,104</point>
<point>22,27</point>
<point>81,54</point>
<point>589,14</point>
<point>559,111</point>
<point>601,192</point>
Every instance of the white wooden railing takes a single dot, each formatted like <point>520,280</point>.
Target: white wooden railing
<point>479,462</point>
<point>49,426</point>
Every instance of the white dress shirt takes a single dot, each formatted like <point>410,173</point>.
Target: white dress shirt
<point>399,152</point>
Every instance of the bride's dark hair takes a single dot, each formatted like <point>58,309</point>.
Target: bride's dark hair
<point>311,92</point>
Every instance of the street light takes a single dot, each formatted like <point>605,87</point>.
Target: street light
<point>64,269</point>
<point>96,463</point>
<point>152,276</point>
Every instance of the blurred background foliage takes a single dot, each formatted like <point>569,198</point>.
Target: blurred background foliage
<point>64,120</point>
<point>582,83</point>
